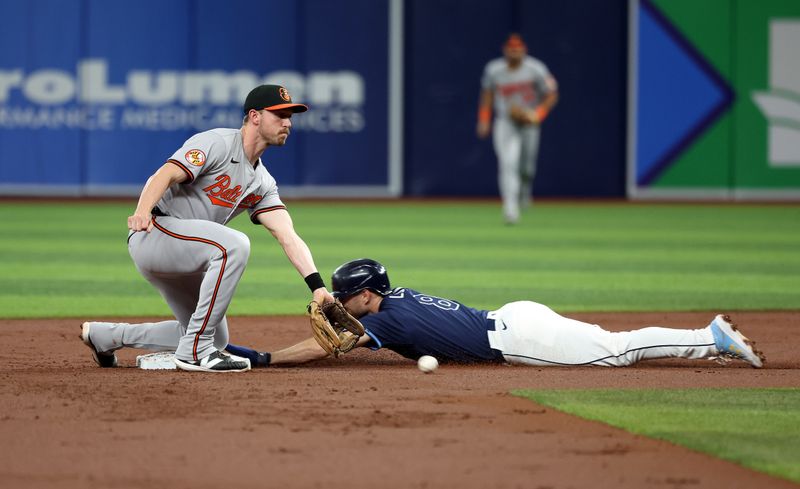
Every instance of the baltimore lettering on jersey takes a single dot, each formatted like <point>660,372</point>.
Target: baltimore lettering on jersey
<point>220,193</point>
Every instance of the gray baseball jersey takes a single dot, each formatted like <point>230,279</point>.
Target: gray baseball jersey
<point>191,256</point>
<point>524,86</point>
<point>222,183</point>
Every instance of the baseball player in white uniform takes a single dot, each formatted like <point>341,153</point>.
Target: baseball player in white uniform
<point>522,93</point>
<point>180,243</point>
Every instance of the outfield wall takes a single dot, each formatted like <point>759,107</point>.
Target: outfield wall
<point>95,94</point>
<point>714,99</point>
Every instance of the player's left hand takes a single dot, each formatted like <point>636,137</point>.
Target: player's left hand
<point>334,329</point>
<point>484,129</point>
<point>322,296</point>
<point>525,117</point>
<point>520,115</point>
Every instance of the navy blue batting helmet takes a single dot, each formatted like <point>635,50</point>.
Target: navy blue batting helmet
<point>357,275</point>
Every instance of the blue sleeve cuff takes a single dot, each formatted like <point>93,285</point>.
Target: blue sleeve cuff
<point>377,345</point>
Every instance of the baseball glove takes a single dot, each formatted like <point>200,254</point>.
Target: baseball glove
<point>521,115</point>
<point>335,329</point>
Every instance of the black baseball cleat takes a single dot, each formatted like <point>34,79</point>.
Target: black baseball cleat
<point>215,362</point>
<point>104,360</point>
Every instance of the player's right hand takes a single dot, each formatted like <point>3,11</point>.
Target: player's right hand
<point>139,222</point>
<point>484,128</point>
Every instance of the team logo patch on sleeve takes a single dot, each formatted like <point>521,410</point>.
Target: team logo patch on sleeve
<point>195,157</point>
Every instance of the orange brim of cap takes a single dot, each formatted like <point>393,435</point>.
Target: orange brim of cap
<point>295,107</point>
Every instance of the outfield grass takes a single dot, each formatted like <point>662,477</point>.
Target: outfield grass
<point>756,428</point>
<point>71,260</point>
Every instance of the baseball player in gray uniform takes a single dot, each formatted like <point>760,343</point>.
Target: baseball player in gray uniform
<point>522,92</point>
<point>180,243</point>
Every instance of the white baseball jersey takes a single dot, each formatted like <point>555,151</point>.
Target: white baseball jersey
<point>222,182</point>
<point>524,86</point>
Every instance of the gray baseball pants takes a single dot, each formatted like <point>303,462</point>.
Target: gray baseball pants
<point>196,266</point>
<point>516,148</point>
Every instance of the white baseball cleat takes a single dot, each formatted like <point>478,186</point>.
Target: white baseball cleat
<point>104,360</point>
<point>731,343</point>
<point>215,362</point>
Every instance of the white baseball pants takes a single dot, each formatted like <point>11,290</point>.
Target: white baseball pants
<point>533,334</point>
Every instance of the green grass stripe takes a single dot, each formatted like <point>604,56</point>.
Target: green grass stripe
<point>71,259</point>
<point>756,428</point>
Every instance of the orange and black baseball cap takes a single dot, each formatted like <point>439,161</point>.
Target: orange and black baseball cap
<point>271,97</point>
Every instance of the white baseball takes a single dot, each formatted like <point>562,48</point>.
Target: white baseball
<point>427,364</point>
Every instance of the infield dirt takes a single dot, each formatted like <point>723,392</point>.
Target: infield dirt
<point>370,419</point>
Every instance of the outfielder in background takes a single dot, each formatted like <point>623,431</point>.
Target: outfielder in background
<point>414,324</point>
<point>180,243</point>
<point>522,92</point>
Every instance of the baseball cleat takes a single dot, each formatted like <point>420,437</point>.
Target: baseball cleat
<point>731,343</point>
<point>216,362</point>
<point>104,360</point>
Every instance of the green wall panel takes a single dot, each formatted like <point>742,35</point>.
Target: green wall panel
<point>706,163</point>
<point>753,65</point>
<point>734,153</point>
